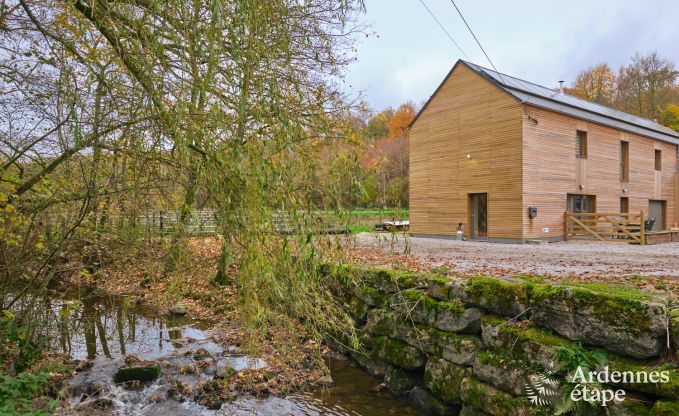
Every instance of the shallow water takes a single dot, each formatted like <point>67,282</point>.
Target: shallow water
<point>104,330</point>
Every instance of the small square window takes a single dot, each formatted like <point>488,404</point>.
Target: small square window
<point>581,144</point>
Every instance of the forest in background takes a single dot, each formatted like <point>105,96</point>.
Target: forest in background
<point>646,87</point>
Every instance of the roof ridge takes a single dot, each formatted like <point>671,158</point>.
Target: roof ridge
<point>553,97</point>
<point>508,76</point>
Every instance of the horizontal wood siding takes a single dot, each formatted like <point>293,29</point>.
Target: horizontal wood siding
<point>551,170</point>
<point>471,116</point>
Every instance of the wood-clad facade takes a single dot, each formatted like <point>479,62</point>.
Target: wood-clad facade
<point>474,138</point>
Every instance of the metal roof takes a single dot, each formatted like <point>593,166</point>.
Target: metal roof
<point>539,96</point>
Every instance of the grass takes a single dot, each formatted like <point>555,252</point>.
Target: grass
<point>360,228</point>
<point>363,219</point>
<point>370,213</point>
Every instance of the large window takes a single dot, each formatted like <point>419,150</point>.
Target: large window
<point>581,144</point>
<point>624,161</point>
<point>658,159</point>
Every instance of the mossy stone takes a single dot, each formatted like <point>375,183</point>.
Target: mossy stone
<point>454,347</point>
<point>430,404</point>
<point>510,376</point>
<point>626,321</point>
<point>471,411</point>
<point>372,297</point>
<point>443,379</point>
<point>392,281</point>
<point>398,353</point>
<point>493,401</point>
<point>400,381</point>
<point>664,408</point>
<point>358,309</point>
<point>371,364</point>
<point>669,390</point>
<point>674,328</point>
<point>631,406</point>
<point>440,287</point>
<point>139,372</point>
<point>524,342</point>
<point>449,316</point>
<point>503,296</point>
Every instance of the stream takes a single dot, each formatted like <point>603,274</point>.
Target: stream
<point>104,330</point>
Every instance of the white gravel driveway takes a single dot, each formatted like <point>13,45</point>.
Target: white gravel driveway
<point>557,259</point>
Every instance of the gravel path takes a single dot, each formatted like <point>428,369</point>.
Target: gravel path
<point>583,259</point>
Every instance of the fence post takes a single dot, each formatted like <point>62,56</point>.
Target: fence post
<point>642,228</point>
<point>565,225</point>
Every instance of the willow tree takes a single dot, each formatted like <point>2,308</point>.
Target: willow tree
<point>237,98</point>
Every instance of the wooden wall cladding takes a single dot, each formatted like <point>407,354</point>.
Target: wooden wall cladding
<point>468,116</point>
<point>551,170</point>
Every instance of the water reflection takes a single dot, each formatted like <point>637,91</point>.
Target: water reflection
<point>96,326</point>
<point>106,329</point>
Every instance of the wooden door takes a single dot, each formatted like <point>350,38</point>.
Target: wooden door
<point>656,209</point>
<point>478,205</point>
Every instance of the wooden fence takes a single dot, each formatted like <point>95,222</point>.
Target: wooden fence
<point>616,227</point>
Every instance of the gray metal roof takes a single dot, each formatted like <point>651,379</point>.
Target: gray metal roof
<point>539,96</point>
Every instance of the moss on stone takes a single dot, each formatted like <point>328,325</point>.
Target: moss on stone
<point>142,372</point>
<point>501,296</point>
<point>400,381</point>
<point>430,404</point>
<point>664,408</point>
<point>373,365</point>
<point>431,304</point>
<point>622,364</point>
<point>443,379</point>
<point>674,327</point>
<point>345,274</point>
<point>491,400</point>
<point>440,270</point>
<point>392,280</point>
<point>372,296</point>
<point>491,319</point>
<point>471,411</point>
<point>622,307</point>
<point>521,341</point>
<point>358,309</point>
<point>439,287</point>
<point>398,353</point>
<point>631,406</point>
<point>502,372</point>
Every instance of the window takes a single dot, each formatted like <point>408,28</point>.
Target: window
<point>624,204</point>
<point>624,161</point>
<point>581,203</point>
<point>581,144</point>
<point>658,159</point>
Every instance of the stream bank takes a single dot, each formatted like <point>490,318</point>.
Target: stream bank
<point>197,370</point>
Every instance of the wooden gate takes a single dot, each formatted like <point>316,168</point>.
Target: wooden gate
<point>616,227</point>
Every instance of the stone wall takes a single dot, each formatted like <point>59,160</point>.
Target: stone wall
<point>473,346</point>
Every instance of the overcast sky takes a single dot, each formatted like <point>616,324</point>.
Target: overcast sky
<point>542,41</point>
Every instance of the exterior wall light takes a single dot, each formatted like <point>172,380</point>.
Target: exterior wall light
<point>469,156</point>
<point>624,190</point>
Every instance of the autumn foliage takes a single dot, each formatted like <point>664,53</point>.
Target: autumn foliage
<point>647,87</point>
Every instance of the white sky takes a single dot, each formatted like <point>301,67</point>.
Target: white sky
<point>540,41</point>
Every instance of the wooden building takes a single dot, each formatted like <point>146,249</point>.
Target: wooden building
<point>506,158</point>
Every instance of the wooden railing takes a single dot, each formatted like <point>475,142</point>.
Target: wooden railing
<point>616,227</point>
